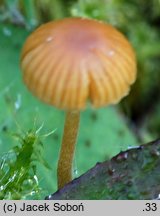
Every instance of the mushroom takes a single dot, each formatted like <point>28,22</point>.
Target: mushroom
<point>67,63</point>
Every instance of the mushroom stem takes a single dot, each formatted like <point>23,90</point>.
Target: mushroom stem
<point>64,172</point>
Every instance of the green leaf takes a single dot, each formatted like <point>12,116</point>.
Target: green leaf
<point>132,174</point>
<point>105,124</point>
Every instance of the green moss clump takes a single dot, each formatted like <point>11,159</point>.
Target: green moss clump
<point>18,168</point>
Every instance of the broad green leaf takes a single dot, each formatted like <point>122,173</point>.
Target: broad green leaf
<point>103,132</point>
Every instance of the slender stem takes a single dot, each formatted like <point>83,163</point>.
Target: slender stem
<point>71,126</point>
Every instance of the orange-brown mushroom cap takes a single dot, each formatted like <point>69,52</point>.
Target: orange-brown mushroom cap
<point>67,62</point>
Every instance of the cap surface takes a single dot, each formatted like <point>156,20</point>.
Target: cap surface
<point>67,62</point>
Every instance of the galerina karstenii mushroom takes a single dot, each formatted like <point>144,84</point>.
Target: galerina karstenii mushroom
<point>67,63</point>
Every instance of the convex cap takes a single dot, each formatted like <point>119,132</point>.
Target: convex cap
<point>67,62</point>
